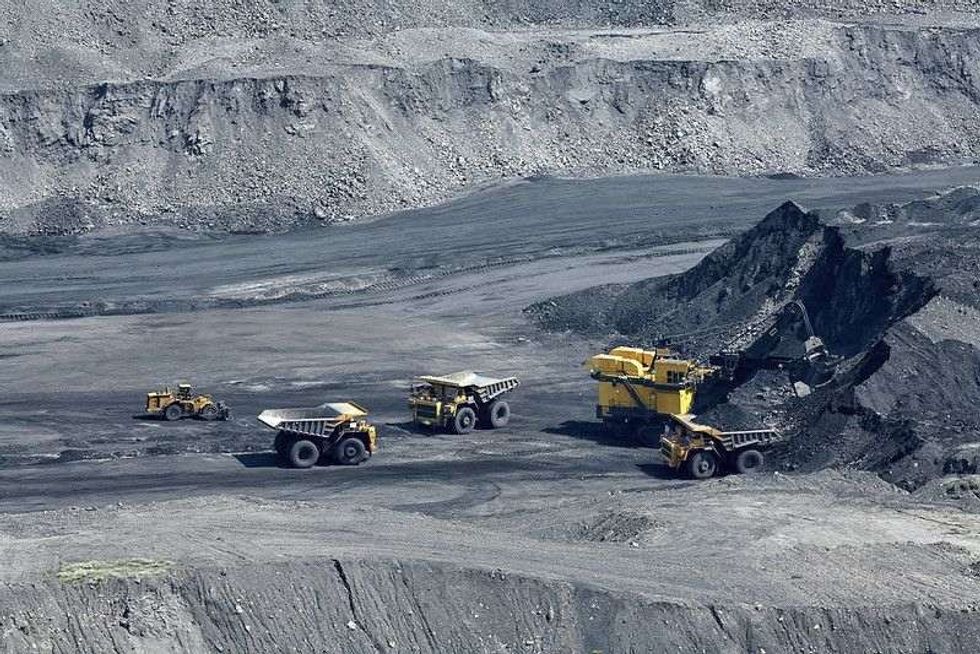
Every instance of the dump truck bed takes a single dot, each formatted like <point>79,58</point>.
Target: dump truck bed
<point>312,421</point>
<point>486,388</point>
<point>730,440</point>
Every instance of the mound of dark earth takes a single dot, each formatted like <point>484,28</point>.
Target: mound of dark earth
<point>890,289</point>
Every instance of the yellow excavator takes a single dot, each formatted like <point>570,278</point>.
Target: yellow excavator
<point>651,393</point>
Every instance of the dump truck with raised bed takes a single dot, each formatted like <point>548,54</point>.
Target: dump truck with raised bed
<point>336,431</point>
<point>183,403</point>
<point>650,394</point>
<point>458,402</point>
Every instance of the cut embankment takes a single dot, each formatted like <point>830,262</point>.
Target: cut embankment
<point>419,117</point>
<point>348,606</point>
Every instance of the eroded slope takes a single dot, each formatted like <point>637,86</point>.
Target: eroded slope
<point>252,130</point>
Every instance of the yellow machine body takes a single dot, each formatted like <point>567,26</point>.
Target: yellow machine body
<point>436,404</point>
<point>652,392</point>
<point>683,436</point>
<point>456,400</point>
<point>636,382</point>
<point>191,405</point>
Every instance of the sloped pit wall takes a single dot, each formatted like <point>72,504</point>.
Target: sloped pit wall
<point>270,151</point>
<point>354,607</point>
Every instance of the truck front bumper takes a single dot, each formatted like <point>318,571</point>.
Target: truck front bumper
<point>429,414</point>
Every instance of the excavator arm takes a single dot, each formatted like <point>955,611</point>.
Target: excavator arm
<point>814,368</point>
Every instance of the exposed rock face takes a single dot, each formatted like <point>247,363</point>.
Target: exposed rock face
<point>415,607</point>
<point>270,133</point>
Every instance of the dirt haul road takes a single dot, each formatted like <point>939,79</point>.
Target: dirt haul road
<point>543,537</point>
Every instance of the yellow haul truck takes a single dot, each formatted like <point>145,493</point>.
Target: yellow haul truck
<point>651,394</point>
<point>459,401</point>
<point>338,431</point>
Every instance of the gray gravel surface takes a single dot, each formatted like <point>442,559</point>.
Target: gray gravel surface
<point>545,536</point>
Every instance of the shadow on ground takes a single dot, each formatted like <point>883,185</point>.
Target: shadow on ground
<point>260,460</point>
<point>407,428</point>
<point>593,431</point>
<point>660,470</point>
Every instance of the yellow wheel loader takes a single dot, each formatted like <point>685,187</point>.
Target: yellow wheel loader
<point>338,431</point>
<point>458,402</point>
<point>183,403</point>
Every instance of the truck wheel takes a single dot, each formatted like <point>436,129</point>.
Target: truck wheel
<point>210,412</point>
<point>350,451</point>
<point>702,465</point>
<point>464,421</point>
<point>498,414</point>
<point>749,461</point>
<point>303,454</point>
<point>648,435</point>
<point>173,412</point>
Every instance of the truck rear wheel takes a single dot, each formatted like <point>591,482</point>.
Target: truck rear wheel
<point>464,421</point>
<point>303,454</point>
<point>173,412</point>
<point>350,451</point>
<point>702,465</point>
<point>749,461</point>
<point>498,414</point>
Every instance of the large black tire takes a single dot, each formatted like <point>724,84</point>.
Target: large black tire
<point>749,461</point>
<point>303,454</point>
<point>350,451</point>
<point>498,414</point>
<point>648,435</point>
<point>173,412</point>
<point>210,412</point>
<point>281,444</point>
<point>702,465</point>
<point>465,420</point>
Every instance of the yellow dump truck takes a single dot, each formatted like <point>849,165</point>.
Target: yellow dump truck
<point>336,431</point>
<point>183,403</point>
<point>651,394</point>
<point>702,451</point>
<point>459,401</point>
